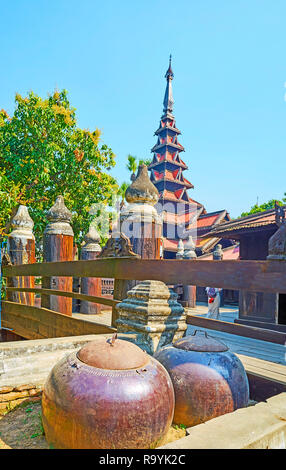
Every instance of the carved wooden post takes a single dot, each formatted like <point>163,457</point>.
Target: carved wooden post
<point>189,292</point>
<point>152,312</point>
<point>140,221</point>
<point>58,246</point>
<point>91,285</point>
<point>21,249</point>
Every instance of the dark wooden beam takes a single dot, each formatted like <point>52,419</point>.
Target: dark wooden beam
<point>73,295</point>
<point>236,329</point>
<point>259,276</point>
<point>36,323</point>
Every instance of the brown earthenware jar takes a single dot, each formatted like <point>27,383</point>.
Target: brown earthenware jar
<point>109,395</point>
<point>208,379</point>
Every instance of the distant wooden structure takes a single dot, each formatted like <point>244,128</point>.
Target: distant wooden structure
<point>181,215</point>
<point>262,309</point>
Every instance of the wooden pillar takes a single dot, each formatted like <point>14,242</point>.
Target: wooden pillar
<point>189,292</point>
<point>91,285</point>
<point>141,225</point>
<point>58,246</point>
<point>139,221</point>
<point>21,249</point>
<point>152,312</point>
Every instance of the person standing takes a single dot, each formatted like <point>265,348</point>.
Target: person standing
<point>213,294</point>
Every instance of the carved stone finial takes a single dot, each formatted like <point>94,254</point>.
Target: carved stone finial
<point>142,190</point>
<point>180,250</point>
<point>277,243</point>
<point>189,251</point>
<point>118,246</point>
<point>22,223</point>
<point>59,218</point>
<point>218,253</point>
<point>92,239</point>
<point>152,312</point>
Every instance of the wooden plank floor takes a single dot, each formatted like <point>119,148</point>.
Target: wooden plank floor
<point>249,347</point>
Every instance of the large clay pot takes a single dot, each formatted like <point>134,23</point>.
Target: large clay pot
<point>109,395</point>
<point>208,379</point>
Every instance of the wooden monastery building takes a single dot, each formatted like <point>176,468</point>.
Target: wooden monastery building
<point>253,232</point>
<point>182,215</point>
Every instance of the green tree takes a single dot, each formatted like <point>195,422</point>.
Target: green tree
<point>43,153</point>
<point>133,164</point>
<point>263,207</point>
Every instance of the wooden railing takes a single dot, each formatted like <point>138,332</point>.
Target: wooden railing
<point>35,322</point>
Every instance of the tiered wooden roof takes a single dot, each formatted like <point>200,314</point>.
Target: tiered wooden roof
<point>166,173</point>
<point>255,222</point>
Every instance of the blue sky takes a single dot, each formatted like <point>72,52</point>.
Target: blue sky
<point>229,85</point>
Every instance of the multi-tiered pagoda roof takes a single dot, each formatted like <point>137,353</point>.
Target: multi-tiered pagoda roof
<point>167,169</point>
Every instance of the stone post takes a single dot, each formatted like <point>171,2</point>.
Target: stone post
<point>91,285</point>
<point>58,246</point>
<point>180,250</point>
<point>218,256</point>
<point>218,253</point>
<point>118,246</point>
<point>189,292</point>
<point>21,249</point>
<point>152,312</point>
<point>139,221</point>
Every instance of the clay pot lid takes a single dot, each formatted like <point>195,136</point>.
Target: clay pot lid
<point>200,342</point>
<point>113,354</point>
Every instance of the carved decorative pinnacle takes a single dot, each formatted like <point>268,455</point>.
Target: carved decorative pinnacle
<point>22,224</point>
<point>189,251</point>
<point>218,253</point>
<point>59,218</point>
<point>22,220</point>
<point>180,251</point>
<point>59,212</point>
<point>277,243</point>
<point>118,246</point>
<point>92,239</point>
<point>142,190</point>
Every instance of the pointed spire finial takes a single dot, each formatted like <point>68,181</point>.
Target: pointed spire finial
<point>168,98</point>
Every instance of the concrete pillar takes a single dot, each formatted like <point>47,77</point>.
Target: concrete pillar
<point>58,246</point>
<point>152,313</point>
<point>189,292</point>
<point>91,285</point>
<point>21,249</point>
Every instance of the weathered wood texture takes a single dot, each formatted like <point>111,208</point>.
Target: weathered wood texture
<point>236,329</point>
<point>58,247</point>
<point>73,295</point>
<point>22,251</point>
<point>267,276</point>
<point>90,286</point>
<point>265,378</point>
<point>36,323</point>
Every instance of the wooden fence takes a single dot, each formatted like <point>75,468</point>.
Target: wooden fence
<point>33,322</point>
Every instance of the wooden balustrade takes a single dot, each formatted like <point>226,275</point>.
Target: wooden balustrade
<point>257,276</point>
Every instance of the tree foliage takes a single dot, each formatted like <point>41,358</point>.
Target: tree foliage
<point>43,153</point>
<point>264,207</point>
